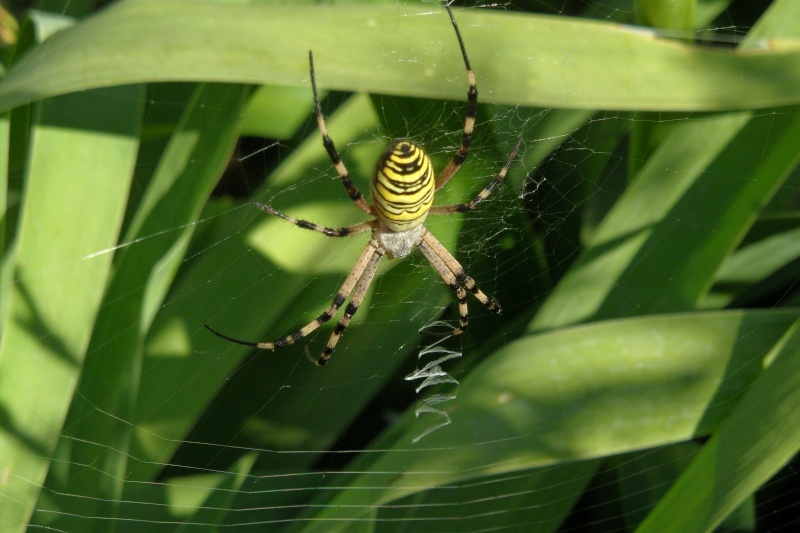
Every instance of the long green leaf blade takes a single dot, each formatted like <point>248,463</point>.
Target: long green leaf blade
<point>97,433</point>
<point>521,60</point>
<point>82,157</point>
<point>761,435</point>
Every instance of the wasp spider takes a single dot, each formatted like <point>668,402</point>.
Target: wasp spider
<point>402,187</point>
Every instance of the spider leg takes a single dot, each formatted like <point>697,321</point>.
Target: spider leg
<point>358,296</point>
<point>352,190</point>
<point>475,202</point>
<point>355,229</point>
<point>469,122</point>
<point>435,248</point>
<point>449,278</point>
<point>366,261</point>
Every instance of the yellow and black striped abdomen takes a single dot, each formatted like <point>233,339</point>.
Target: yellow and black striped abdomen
<point>402,186</point>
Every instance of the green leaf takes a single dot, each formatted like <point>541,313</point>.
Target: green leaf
<point>760,436</point>
<point>219,497</point>
<point>518,59</point>
<point>677,227</point>
<point>674,15</point>
<point>82,151</point>
<point>96,432</point>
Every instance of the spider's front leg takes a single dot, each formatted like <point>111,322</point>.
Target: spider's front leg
<point>355,229</point>
<point>485,192</point>
<point>352,190</point>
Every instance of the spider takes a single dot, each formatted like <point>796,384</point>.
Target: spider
<point>402,188</point>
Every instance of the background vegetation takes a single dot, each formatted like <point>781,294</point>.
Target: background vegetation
<point>642,377</point>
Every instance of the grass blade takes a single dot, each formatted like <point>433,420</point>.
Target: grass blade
<point>524,60</point>
<point>80,143</point>
<point>760,436</point>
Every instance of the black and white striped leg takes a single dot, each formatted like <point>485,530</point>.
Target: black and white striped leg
<point>355,229</point>
<point>458,271</point>
<point>451,280</point>
<point>364,263</point>
<point>469,123</point>
<point>484,194</point>
<point>352,189</point>
<point>358,296</point>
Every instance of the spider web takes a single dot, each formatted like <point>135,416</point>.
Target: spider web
<point>578,408</point>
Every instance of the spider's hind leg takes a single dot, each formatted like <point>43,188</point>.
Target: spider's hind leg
<point>456,278</point>
<point>364,269</point>
<point>358,296</point>
<point>484,193</point>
